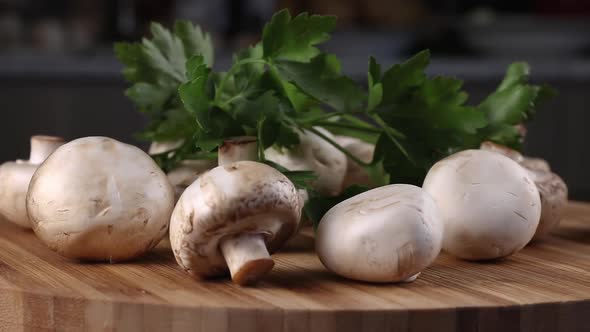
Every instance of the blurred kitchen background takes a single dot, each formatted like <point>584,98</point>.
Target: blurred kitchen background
<point>58,74</point>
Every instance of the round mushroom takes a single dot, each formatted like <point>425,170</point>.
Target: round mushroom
<point>314,154</point>
<point>387,234</point>
<point>552,188</point>
<point>99,199</point>
<point>355,174</point>
<point>234,216</point>
<point>15,177</point>
<point>489,204</point>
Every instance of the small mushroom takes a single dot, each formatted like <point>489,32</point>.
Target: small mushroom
<point>15,177</point>
<point>387,234</point>
<point>554,193</point>
<point>489,204</point>
<point>355,174</point>
<point>314,154</point>
<point>552,188</point>
<point>234,216</point>
<point>187,171</point>
<point>164,146</point>
<point>99,199</point>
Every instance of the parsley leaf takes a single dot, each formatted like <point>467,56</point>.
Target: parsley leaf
<point>285,84</point>
<point>286,38</point>
<point>157,67</point>
<point>194,93</point>
<point>195,41</point>
<point>432,113</point>
<point>147,96</point>
<point>512,103</point>
<point>321,79</point>
<point>250,110</point>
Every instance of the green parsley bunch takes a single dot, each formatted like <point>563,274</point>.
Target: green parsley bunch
<point>285,83</point>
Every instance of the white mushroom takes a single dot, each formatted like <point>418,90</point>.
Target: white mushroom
<point>187,171</point>
<point>552,188</point>
<point>553,191</point>
<point>15,177</point>
<point>99,199</point>
<point>314,154</point>
<point>387,234</point>
<point>355,174</point>
<point>164,146</point>
<point>489,204</point>
<point>234,216</point>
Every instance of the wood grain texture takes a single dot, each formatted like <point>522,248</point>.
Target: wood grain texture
<point>545,287</point>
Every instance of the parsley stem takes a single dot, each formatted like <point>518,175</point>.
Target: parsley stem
<point>347,126</point>
<point>230,100</point>
<point>259,136</point>
<point>391,133</point>
<point>357,121</point>
<point>325,116</point>
<point>339,147</point>
<point>387,128</point>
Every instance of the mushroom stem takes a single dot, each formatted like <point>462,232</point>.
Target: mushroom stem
<point>238,149</point>
<point>42,147</point>
<point>247,257</point>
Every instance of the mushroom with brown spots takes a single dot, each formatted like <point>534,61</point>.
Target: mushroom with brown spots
<point>15,177</point>
<point>387,234</point>
<point>234,216</point>
<point>552,188</point>
<point>489,205</point>
<point>99,199</point>
<point>314,154</point>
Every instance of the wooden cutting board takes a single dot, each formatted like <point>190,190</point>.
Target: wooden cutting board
<point>545,287</point>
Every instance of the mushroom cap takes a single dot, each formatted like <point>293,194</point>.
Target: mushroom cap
<point>355,174</point>
<point>552,188</point>
<point>99,199</point>
<point>314,154</point>
<point>16,176</point>
<point>554,193</point>
<point>237,198</point>
<point>164,146</point>
<point>503,150</point>
<point>14,182</point>
<point>387,234</point>
<point>187,172</point>
<point>489,204</point>
<point>534,164</point>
